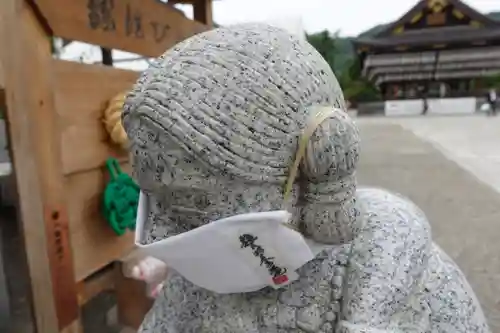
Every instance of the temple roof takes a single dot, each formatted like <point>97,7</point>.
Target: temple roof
<point>447,64</point>
<point>435,22</point>
<point>434,36</point>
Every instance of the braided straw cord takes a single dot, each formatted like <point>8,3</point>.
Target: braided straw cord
<point>113,120</point>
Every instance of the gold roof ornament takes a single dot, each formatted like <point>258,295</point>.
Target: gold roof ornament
<point>417,17</point>
<point>475,24</point>
<point>437,6</point>
<point>458,14</point>
<point>399,30</point>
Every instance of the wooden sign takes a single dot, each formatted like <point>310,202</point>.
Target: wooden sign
<point>146,27</point>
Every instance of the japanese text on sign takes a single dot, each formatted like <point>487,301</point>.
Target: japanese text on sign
<point>102,16</point>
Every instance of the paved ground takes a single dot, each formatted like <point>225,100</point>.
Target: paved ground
<point>431,167</point>
<point>16,272</point>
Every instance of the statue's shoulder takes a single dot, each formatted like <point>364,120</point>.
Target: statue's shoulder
<point>386,210</point>
<point>378,200</point>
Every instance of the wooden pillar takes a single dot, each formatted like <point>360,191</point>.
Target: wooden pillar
<point>471,87</point>
<point>383,90</point>
<point>35,143</point>
<point>404,89</point>
<point>394,90</point>
<point>202,12</point>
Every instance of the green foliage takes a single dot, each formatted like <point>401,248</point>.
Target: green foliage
<point>339,54</point>
<point>492,81</point>
<point>325,44</point>
<point>356,87</point>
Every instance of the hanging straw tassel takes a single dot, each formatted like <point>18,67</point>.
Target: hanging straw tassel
<point>113,121</point>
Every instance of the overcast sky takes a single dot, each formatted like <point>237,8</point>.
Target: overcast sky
<point>351,17</point>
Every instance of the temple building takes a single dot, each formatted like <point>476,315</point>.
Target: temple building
<point>440,48</point>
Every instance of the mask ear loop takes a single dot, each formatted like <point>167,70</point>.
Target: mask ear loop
<point>320,115</point>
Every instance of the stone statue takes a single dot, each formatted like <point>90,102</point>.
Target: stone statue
<point>214,126</point>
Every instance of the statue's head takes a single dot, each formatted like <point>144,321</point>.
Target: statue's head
<point>214,126</point>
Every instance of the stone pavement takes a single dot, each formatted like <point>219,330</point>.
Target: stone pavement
<point>472,142</point>
<point>430,161</point>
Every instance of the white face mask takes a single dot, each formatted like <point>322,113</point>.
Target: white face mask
<point>242,253</point>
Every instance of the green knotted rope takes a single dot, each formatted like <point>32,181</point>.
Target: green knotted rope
<point>120,200</point>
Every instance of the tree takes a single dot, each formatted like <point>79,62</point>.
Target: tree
<point>492,81</point>
<point>325,44</point>
<point>347,69</point>
<point>356,87</point>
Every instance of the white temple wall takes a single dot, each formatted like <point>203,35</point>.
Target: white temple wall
<point>437,106</point>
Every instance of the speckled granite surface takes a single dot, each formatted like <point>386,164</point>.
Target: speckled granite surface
<point>214,127</point>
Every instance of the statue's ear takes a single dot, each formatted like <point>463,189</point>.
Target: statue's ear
<point>317,115</point>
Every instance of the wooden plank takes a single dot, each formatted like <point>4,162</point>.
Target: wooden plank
<point>94,243</point>
<point>184,2</point>
<point>83,92</point>
<point>146,27</point>
<point>95,284</point>
<point>34,138</point>
<point>2,75</point>
<point>202,12</point>
<point>131,298</point>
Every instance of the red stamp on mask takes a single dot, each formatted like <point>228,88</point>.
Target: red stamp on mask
<point>280,279</point>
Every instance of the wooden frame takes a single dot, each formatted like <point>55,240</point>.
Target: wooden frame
<point>59,145</point>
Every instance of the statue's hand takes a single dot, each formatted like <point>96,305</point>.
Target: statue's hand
<point>150,270</point>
